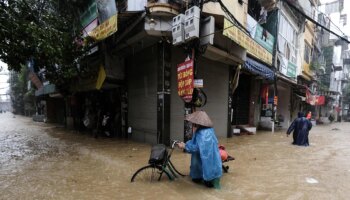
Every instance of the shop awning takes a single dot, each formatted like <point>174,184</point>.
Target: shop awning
<point>90,84</point>
<point>286,79</point>
<point>259,69</point>
<point>46,89</point>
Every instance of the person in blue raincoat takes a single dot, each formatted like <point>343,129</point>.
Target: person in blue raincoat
<point>300,127</point>
<point>206,164</point>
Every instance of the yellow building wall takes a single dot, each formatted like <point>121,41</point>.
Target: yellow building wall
<point>239,11</point>
<point>306,70</point>
<point>309,32</point>
<point>309,35</point>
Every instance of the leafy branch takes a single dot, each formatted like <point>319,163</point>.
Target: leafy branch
<point>44,31</point>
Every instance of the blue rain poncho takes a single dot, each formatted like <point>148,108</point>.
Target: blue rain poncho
<point>300,127</point>
<point>205,160</point>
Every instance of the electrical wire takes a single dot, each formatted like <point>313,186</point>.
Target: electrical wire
<point>225,9</point>
<point>314,22</point>
<point>324,14</point>
<point>231,18</point>
<point>318,12</point>
<point>220,30</point>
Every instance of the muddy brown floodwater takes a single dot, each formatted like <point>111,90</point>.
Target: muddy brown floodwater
<point>41,161</point>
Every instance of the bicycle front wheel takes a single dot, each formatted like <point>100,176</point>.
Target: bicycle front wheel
<point>150,173</point>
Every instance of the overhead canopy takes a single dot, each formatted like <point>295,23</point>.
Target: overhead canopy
<point>259,69</point>
<point>46,89</point>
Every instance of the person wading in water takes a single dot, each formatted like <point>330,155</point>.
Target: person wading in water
<point>206,164</point>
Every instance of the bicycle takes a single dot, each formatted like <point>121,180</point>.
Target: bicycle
<point>156,168</point>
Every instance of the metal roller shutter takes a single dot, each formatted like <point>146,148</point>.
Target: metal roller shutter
<point>240,101</point>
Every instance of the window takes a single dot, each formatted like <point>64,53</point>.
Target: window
<point>307,53</point>
<point>343,19</point>
<point>287,39</point>
<point>254,9</point>
<point>332,7</point>
<point>287,51</point>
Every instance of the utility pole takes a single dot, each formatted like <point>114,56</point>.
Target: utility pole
<point>192,32</point>
<point>193,54</point>
<point>186,31</point>
<point>188,105</point>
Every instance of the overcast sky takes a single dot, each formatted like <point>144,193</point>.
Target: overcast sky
<point>4,86</point>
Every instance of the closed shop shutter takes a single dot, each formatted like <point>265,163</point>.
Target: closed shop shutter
<point>142,95</point>
<point>240,101</point>
<point>215,76</point>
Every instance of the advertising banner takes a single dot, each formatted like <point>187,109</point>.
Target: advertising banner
<point>90,27</point>
<point>101,77</point>
<point>185,82</point>
<point>198,83</point>
<point>287,68</point>
<point>90,13</point>
<point>105,29</point>
<point>106,9</point>
<point>242,39</point>
<point>291,70</point>
<point>264,38</point>
<point>260,35</point>
<point>314,100</point>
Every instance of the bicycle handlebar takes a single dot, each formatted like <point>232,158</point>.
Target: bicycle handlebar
<point>174,142</point>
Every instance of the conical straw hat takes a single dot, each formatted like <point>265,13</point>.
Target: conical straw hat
<point>201,118</point>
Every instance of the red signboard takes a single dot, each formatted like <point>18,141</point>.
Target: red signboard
<point>314,100</point>
<point>185,83</point>
<point>265,93</point>
<point>321,100</point>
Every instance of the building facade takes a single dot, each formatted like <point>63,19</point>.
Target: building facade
<point>249,65</point>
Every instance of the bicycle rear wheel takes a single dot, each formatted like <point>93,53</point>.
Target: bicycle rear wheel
<point>150,173</point>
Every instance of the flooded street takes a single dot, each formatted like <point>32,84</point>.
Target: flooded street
<point>41,161</point>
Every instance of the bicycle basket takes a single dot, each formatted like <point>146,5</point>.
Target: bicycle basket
<point>158,154</point>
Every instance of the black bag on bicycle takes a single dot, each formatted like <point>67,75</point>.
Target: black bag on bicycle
<point>158,154</point>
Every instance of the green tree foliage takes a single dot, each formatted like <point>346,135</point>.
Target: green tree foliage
<point>18,85</point>
<point>42,30</point>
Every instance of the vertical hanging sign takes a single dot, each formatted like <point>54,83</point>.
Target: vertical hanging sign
<point>185,82</point>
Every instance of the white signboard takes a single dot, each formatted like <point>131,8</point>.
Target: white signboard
<point>198,83</point>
